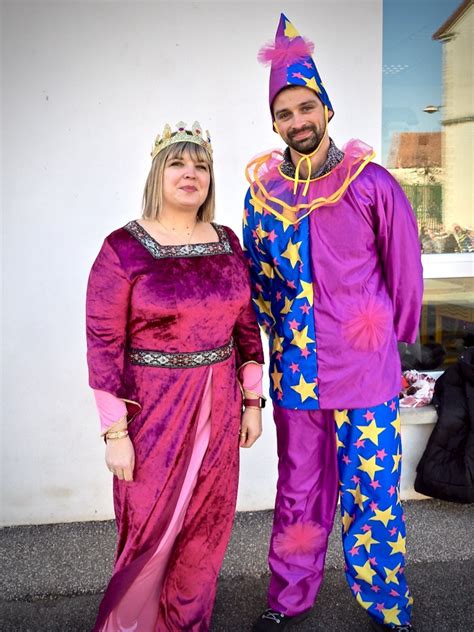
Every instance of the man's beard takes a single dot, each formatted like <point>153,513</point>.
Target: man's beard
<point>308,145</point>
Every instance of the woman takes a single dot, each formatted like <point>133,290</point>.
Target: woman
<point>170,330</point>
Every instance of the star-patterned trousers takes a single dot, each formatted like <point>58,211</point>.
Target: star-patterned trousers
<point>358,453</point>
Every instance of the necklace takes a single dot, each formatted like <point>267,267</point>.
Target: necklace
<point>189,234</point>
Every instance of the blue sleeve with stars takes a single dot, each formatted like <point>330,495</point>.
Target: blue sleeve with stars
<point>260,264</point>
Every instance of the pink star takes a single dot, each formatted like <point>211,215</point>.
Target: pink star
<point>393,593</point>
<point>380,607</point>
<point>293,324</point>
<point>298,75</point>
<point>402,570</point>
<point>294,367</point>
<point>355,479</point>
<point>258,287</point>
<point>346,459</point>
<point>301,267</point>
<point>279,395</point>
<point>296,226</point>
<point>354,550</point>
<point>305,352</point>
<point>393,531</point>
<point>291,284</point>
<point>360,443</point>
<point>391,490</point>
<point>278,355</point>
<point>246,212</point>
<point>307,64</point>
<point>375,484</point>
<point>375,588</point>
<point>404,518</point>
<point>355,588</point>
<point>275,262</point>
<point>251,263</point>
<point>305,308</point>
<point>373,506</point>
<point>373,561</point>
<point>254,234</point>
<point>278,296</point>
<point>392,405</point>
<point>365,528</point>
<point>265,212</point>
<point>381,454</point>
<point>272,236</point>
<point>368,416</point>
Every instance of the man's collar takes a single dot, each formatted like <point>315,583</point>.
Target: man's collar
<point>333,158</point>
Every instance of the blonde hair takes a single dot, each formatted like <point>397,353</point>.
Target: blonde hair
<point>153,193</point>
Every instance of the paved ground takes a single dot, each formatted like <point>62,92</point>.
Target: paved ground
<point>52,575</point>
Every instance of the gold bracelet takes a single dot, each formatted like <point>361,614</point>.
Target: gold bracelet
<point>116,434</point>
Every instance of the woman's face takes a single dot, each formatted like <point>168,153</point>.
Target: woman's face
<point>185,182</point>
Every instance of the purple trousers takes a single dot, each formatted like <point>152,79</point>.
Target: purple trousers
<point>354,453</point>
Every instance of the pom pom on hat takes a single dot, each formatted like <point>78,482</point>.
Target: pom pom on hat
<point>284,52</point>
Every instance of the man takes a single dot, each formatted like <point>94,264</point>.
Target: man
<point>335,264</point>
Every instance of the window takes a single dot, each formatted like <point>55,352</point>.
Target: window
<point>428,135</point>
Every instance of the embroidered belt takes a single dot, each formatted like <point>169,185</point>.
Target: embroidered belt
<point>186,360</point>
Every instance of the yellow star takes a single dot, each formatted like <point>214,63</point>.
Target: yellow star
<point>277,346</point>
<point>396,424</point>
<point>287,307</point>
<point>390,615</point>
<point>305,389</point>
<point>383,516</point>
<point>396,460</point>
<point>276,377</point>
<point>301,338</point>
<point>244,219</point>
<point>306,292</point>
<point>290,31</point>
<point>286,223</point>
<point>365,572</point>
<point>339,443</point>
<point>260,232</point>
<point>369,466</point>
<point>365,604</point>
<point>292,253</point>
<point>341,417</point>
<point>371,432</point>
<point>359,498</point>
<point>366,539</point>
<point>267,269</point>
<point>311,83</point>
<point>264,306</point>
<point>347,520</point>
<point>399,545</point>
<point>392,574</point>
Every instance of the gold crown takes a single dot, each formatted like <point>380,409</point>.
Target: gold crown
<point>182,135</point>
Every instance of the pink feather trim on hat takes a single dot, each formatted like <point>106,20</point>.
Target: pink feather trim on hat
<point>285,52</point>
<point>300,538</point>
<point>368,329</point>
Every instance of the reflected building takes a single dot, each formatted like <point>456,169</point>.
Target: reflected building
<point>456,36</point>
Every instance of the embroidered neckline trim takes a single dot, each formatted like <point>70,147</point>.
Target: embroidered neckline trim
<point>159,251</point>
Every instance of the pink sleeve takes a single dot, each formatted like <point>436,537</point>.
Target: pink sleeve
<point>111,409</point>
<point>251,378</point>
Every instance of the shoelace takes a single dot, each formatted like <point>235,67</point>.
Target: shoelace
<point>404,628</point>
<point>273,615</point>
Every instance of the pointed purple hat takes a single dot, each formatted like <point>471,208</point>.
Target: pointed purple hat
<point>291,63</point>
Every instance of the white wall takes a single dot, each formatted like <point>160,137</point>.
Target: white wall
<point>86,86</point>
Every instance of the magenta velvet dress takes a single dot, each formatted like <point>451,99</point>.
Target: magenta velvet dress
<point>167,329</point>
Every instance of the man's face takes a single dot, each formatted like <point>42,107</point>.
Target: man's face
<point>299,116</point>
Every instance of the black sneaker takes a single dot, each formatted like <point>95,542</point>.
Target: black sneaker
<point>381,627</point>
<point>272,620</point>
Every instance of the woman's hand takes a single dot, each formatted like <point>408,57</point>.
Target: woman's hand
<point>120,458</point>
<point>250,427</point>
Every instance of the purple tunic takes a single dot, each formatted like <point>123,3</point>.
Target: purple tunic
<point>150,309</point>
<point>336,278</point>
